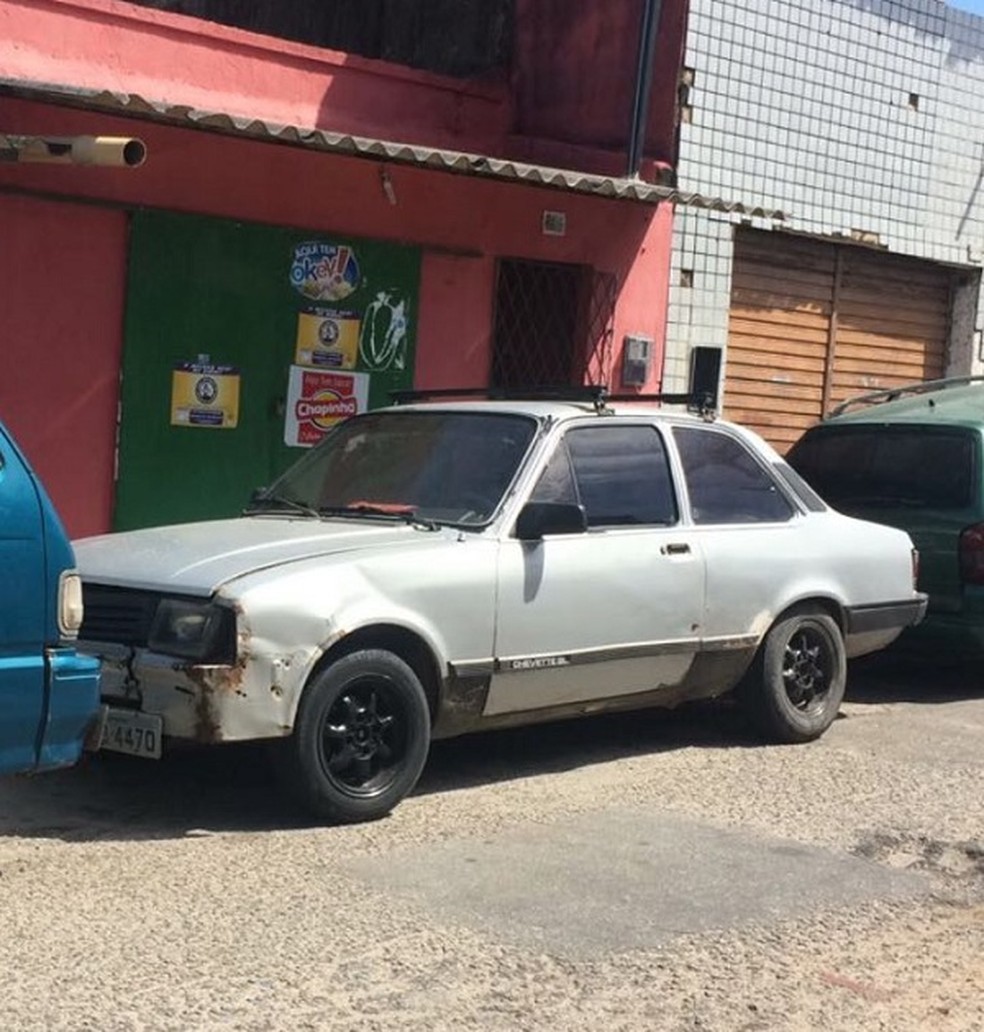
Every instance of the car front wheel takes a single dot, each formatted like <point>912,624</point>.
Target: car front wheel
<point>361,737</point>
<point>796,684</point>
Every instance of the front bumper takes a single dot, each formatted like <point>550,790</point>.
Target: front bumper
<point>199,703</point>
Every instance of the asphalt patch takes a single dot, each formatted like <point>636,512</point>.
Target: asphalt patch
<point>626,880</point>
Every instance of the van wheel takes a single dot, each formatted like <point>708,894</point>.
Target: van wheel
<point>360,739</point>
<point>796,685</point>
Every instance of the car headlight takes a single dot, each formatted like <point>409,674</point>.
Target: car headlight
<point>202,631</point>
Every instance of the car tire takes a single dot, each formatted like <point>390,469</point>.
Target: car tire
<point>360,739</point>
<point>795,687</point>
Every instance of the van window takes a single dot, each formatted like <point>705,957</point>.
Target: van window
<point>889,466</point>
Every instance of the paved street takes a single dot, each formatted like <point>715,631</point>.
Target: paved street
<point>655,871</point>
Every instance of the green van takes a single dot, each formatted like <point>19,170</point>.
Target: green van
<point>910,457</point>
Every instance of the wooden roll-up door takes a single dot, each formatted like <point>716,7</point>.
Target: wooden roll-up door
<point>778,334</point>
<point>893,318</point>
<point>813,323</point>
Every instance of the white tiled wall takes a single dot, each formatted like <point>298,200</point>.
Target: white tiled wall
<point>851,116</point>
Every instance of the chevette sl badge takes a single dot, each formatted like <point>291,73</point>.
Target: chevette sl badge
<point>539,663</point>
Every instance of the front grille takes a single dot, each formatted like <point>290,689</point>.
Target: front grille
<point>119,615</point>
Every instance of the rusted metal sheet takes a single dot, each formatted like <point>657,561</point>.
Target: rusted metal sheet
<point>437,159</point>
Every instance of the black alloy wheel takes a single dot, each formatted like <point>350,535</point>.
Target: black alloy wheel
<point>363,743</point>
<point>794,688</point>
<point>808,668</point>
<point>360,739</point>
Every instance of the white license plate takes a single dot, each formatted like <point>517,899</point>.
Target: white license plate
<point>138,734</point>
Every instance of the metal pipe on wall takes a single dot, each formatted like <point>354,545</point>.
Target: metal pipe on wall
<point>648,29</point>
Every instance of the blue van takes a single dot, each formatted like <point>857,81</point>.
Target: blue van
<point>49,693</point>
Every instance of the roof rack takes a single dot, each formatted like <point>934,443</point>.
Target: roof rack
<point>597,395</point>
<point>891,393</point>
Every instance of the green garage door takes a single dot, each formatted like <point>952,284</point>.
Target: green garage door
<point>240,338</point>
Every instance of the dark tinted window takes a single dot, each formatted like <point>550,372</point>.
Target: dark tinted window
<point>725,482</point>
<point>911,467</point>
<point>556,483</point>
<point>622,476</point>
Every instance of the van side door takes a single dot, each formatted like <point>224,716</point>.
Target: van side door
<point>23,612</point>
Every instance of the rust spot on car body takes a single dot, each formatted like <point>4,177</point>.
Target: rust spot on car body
<point>206,726</point>
<point>212,681</point>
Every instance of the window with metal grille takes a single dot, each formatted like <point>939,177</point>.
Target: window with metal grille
<point>553,325</point>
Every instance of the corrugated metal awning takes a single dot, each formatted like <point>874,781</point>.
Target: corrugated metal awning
<point>439,159</point>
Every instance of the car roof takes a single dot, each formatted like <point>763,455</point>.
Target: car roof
<point>958,404</point>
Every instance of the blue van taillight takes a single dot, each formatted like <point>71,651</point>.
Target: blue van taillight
<point>972,554</point>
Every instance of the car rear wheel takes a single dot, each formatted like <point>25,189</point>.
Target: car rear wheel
<point>796,684</point>
<point>361,737</point>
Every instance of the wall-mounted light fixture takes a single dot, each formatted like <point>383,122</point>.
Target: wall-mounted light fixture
<point>387,184</point>
<point>108,151</point>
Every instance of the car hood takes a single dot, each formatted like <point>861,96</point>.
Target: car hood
<point>199,558</point>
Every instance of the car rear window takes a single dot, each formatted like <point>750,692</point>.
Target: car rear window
<point>889,466</point>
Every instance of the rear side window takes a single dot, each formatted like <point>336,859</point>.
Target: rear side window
<point>889,466</point>
<point>620,474</point>
<point>725,481</point>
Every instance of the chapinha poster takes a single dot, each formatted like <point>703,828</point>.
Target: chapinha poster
<point>317,400</point>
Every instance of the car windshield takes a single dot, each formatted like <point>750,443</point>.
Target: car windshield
<point>885,467</point>
<point>444,467</point>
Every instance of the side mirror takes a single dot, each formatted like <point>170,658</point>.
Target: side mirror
<point>538,519</point>
<point>257,495</point>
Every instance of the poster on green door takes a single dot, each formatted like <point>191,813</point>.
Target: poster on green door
<point>274,304</point>
<point>345,336</point>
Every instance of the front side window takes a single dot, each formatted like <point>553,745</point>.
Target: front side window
<point>450,467</point>
<point>725,482</point>
<point>620,475</point>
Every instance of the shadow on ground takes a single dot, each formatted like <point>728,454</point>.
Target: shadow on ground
<point>233,788</point>
<point>912,676</point>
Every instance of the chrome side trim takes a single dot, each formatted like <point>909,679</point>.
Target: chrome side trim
<point>607,654</point>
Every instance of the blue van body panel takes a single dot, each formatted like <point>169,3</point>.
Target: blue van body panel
<point>24,626</point>
<point>48,693</point>
<point>73,698</point>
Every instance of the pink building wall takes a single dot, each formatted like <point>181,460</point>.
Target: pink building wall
<point>461,215</point>
<point>575,80</point>
<point>462,223</point>
<point>568,101</point>
<point>61,341</point>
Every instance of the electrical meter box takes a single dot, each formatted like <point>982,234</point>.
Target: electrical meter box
<point>637,356</point>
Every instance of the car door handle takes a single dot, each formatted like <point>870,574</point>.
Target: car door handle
<point>679,548</point>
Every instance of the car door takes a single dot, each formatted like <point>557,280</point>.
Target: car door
<point>22,614</point>
<point>611,611</point>
<point>749,534</point>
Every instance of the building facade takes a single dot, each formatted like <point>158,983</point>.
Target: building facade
<point>320,204</point>
<point>862,123</point>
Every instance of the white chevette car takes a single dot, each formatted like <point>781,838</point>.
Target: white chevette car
<point>438,568</point>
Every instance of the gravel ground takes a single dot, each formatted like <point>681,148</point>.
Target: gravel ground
<point>185,895</point>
